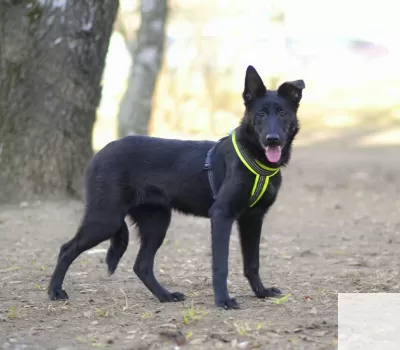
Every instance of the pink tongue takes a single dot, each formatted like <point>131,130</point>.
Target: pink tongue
<point>273,153</point>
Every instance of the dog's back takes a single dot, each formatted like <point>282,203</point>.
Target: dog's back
<point>139,170</point>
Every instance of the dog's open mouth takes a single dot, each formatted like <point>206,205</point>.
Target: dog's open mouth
<point>273,153</point>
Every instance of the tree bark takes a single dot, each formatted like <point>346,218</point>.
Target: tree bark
<point>52,55</point>
<point>136,106</point>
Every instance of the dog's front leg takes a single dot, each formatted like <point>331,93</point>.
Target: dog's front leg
<point>221,226</point>
<point>250,224</point>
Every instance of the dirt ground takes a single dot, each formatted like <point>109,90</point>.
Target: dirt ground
<point>335,228</point>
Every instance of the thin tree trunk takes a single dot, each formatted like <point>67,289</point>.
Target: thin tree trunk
<point>136,106</point>
<point>52,55</point>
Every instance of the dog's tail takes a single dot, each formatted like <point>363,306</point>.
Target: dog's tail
<point>118,244</point>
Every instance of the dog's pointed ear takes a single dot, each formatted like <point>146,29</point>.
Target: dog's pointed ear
<point>253,85</point>
<point>292,90</point>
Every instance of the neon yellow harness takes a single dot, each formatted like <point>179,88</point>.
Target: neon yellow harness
<point>261,171</point>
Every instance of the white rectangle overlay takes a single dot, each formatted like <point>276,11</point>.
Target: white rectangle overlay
<point>369,321</point>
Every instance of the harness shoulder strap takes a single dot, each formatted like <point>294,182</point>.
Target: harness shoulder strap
<point>207,166</point>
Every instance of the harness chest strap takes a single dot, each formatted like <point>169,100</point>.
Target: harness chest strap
<point>262,172</point>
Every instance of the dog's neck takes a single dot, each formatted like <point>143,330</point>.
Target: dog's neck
<point>249,139</point>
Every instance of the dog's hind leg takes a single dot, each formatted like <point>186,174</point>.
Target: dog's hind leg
<point>250,224</point>
<point>95,228</point>
<point>153,222</point>
<point>118,244</point>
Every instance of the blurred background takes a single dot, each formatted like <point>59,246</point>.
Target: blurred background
<point>76,75</point>
<point>346,51</point>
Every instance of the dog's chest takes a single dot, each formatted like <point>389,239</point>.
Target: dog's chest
<point>270,194</point>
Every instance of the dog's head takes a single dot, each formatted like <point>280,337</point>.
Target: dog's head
<point>270,121</point>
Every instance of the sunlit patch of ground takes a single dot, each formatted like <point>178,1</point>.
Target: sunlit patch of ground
<point>386,137</point>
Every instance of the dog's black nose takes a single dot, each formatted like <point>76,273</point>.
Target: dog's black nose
<point>273,138</point>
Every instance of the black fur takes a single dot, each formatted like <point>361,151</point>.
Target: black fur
<point>146,178</point>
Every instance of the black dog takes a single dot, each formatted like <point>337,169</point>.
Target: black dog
<point>235,179</point>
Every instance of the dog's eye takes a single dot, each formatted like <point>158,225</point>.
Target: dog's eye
<point>282,113</point>
<point>260,114</point>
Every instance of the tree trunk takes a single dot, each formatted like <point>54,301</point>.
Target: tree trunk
<point>136,106</point>
<point>52,55</point>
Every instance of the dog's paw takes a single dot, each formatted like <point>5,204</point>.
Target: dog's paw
<point>228,304</point>
<point>268,292</point>
<point>58,294</point>
<point>173,297</point>
<point>177,296</point>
